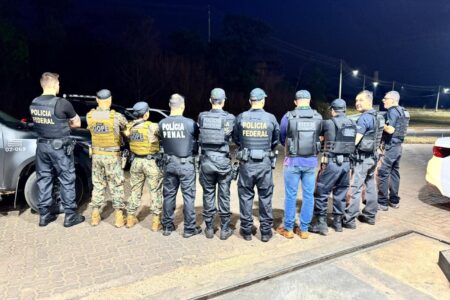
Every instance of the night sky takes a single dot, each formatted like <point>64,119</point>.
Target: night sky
<point>406,41</point>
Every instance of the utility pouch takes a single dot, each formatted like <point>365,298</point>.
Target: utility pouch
<point>57,144</point>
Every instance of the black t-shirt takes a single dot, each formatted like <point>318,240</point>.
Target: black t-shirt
<point>63,109</point>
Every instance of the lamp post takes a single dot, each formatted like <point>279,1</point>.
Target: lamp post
<point>340,80</point>
<point>375,84</point>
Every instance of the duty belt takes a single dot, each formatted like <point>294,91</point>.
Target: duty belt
<point>106,151</point>
<point>49,141</point>
<point>182,160</point>
<point>215,153</point>
<point>326,158</point>
<point>148,156</point>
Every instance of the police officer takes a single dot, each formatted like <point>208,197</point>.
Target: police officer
<point>179,141</point>
<point>369,130</point>
<point>300,134</point>
<point>106,125</point>
<point>53,117</point>
<point>339,142</point>
<point>143,136</point>
<point>256,133</point>
<point>216,127</point>
<point>397,120</point>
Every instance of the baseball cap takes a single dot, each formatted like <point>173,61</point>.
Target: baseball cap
<point>303,94</point>
<point>257,94</point>
<point>338,105</point>
<point>218,94</point>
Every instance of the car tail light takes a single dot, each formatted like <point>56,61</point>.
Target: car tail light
<point>441,151</point>
<point>23,120</point>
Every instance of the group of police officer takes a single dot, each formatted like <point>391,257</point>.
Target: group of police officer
<point>165,155</point>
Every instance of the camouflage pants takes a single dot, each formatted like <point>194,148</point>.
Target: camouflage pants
<point>107,170</point>
<point>144,169</point>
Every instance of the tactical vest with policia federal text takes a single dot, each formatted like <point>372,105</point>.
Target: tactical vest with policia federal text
<point>212,130</point>
<point>46,124</point>
<point>255,131</point>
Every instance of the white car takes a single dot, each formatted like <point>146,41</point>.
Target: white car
<point>438,169</point>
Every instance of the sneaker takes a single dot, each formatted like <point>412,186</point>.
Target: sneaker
<point>383,207</point>
<point>197,230</point>
<point>289,234</point>
<point>394,205</point>
<point>365,219</point>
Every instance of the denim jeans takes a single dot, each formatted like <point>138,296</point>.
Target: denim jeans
<point>292,176</point>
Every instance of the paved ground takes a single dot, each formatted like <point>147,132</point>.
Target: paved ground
<point>105,262</point>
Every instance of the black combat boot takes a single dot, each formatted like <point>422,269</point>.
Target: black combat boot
<point>337,223</point>
<point>209,231</point>
<point>265,237</point>
<point>245,236</point>
<point>225,230</point>
<point>197,230</point>
<point>72,219</point>
<point>46,219</point>
<point>320,226</point>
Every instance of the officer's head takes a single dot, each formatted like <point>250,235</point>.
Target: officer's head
<point>176,104</point>
<point>50,83</point>
<point>141,110</point>
<point>363,101</point>
<point>257,98</point>
<point>104,99</point>
<point>391,99</point>
<point>302,98</point>
<point>217,98</point>
<point>338,106</point>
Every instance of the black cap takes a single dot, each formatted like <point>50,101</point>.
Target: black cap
<point>338,105</point>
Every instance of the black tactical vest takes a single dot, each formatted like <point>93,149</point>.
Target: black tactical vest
<point>372,139</point>
<point>46,124</point>
<point>304,127</point>
<point>212,130</point>
<point>255,130</point>
<point>401,125</point>
<point>177,136</point>
<point>344,138</point>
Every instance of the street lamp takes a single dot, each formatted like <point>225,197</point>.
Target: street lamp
<point>375,84</point>
<point>355,72</point>
<point>446,90</point>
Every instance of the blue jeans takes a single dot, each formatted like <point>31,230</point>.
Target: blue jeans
<point>292,176</point>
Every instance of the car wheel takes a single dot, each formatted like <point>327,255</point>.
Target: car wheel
<point>31,192</point>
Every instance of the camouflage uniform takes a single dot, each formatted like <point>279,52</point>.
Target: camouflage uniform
<point>143,168</point>
<point>107,170</point>
<point>107,166</point>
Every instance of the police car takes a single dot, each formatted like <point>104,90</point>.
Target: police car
<point>438,169</point>
<point>17,161</point>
